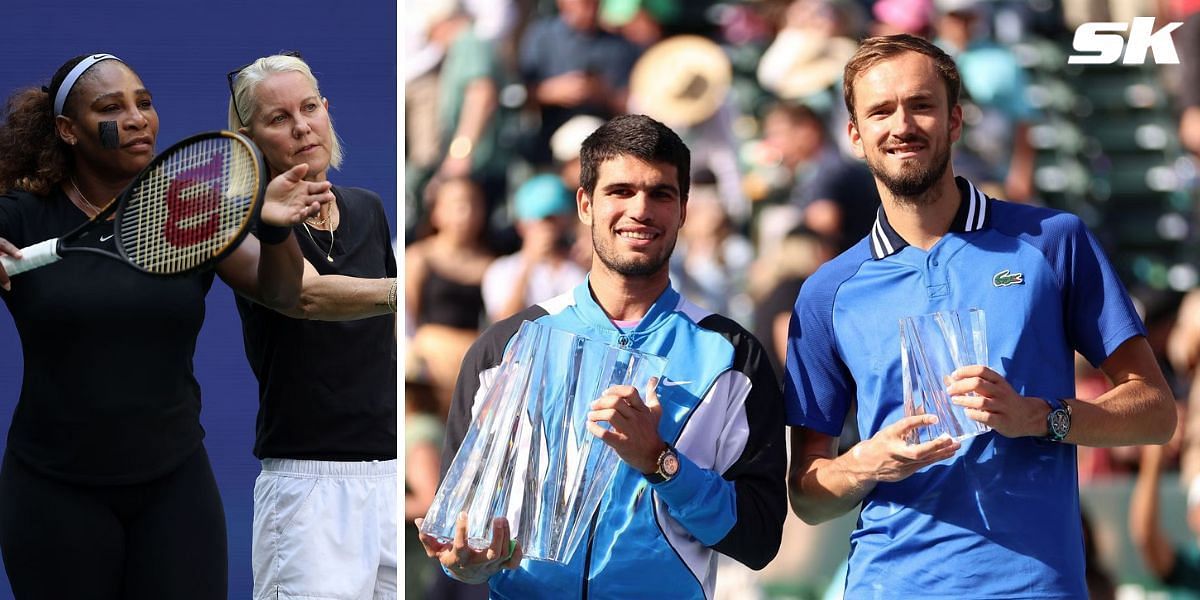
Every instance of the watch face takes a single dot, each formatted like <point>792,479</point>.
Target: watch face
<point>670,464</point>
<point>1060,423</point>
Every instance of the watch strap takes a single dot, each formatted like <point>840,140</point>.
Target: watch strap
<point>654,477</point>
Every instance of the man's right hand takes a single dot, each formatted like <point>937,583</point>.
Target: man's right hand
<point>887,456</point>
<point>467,564</point>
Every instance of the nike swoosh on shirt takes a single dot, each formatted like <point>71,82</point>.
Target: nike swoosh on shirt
<point>105,238</point>
<point>670,383</point>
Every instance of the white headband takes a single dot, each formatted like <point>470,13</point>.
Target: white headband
<point>69,81</point>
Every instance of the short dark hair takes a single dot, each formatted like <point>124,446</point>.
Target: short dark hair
<point>875,50</point>
<point>797,114</point>
<point>638,136</point>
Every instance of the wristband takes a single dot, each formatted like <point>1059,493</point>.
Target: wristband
<point>272,234</point>
<point>391,299</point>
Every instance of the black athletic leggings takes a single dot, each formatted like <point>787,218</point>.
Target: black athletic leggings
<point>160,539</point>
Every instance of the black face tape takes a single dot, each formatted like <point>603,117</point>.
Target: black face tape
<point>108,134</point>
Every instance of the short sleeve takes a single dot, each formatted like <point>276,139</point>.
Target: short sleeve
<point>817,385</point>
<point>476,58</point>
<point>1099,314</point>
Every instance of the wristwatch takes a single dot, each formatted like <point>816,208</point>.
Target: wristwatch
<point>668,466</point>
<point>1058,422</point>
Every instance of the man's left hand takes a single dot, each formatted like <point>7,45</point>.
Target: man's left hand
<point>632,425</point>
<point>996,404</point>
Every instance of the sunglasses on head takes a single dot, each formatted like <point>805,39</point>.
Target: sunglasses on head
<point>232,76</point>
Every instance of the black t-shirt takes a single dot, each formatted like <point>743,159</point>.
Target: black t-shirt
<point>327,389</point>
<point>108,395</point>
<point>781,299</point>
<point>850,184</point>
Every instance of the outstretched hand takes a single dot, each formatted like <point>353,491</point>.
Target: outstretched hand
<point>632,425</point>
<point>887,456</point>
<point>468,564</point>
<point>290,199</point>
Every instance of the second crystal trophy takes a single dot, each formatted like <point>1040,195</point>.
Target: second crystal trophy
<point>528,454</point>
<point>931,347</point>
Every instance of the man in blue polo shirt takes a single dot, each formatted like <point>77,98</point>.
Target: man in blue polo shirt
<point>997,515</point>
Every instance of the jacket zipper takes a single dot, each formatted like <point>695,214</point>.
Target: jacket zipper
<point>623,342</point>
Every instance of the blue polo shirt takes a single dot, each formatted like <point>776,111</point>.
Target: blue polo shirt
<point>1001,519</point>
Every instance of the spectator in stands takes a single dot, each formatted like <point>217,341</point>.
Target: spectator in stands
<point>443,283</point>
<point>775,281</point>
<point>806,57</point>
<point>1172,564</point>
<point>994,82</point>
<point>712,260</point>
<point>572,67</point>
<point>542,268</point>
<point>468,92</point>
<point>836,193</point>
<point>1183,351</point>
<point>639,21</point>
<point>685,83</point>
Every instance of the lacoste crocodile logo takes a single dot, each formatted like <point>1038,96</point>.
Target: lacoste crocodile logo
<point>1005,279</point>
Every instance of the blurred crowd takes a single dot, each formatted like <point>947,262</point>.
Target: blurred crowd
<point>499,95</point>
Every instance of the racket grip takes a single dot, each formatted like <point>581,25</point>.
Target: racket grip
<point>32,257</point>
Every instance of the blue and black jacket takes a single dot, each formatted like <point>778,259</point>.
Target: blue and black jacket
<point>723,413</point>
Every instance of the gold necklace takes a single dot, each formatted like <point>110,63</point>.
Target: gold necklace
<point>84,198</point>
<point>315,222</point>
<point>329,254</point>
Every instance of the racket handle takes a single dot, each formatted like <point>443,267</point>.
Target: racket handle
<point>32,257</point>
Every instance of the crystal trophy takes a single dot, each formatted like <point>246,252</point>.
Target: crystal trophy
<point>931,347</point>
<point>528,454</point>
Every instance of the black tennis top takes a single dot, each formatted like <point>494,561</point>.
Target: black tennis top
<point>327,389</point>
<point>445,301</point>
<point>107,395</point>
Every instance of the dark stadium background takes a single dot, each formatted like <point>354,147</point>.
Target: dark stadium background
<point>182,50</point>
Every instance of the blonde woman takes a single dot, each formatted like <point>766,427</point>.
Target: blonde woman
<point>326,430</point>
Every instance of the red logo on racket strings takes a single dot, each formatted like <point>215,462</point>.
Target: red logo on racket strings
<point>190,199</point>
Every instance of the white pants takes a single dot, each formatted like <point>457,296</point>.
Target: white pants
<point>325,530</point>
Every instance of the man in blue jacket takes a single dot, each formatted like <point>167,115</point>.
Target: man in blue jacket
<point>703,460</point>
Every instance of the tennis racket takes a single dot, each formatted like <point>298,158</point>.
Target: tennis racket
<point>189,208</point>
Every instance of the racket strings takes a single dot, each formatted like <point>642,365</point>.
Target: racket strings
<point>191,206</point>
